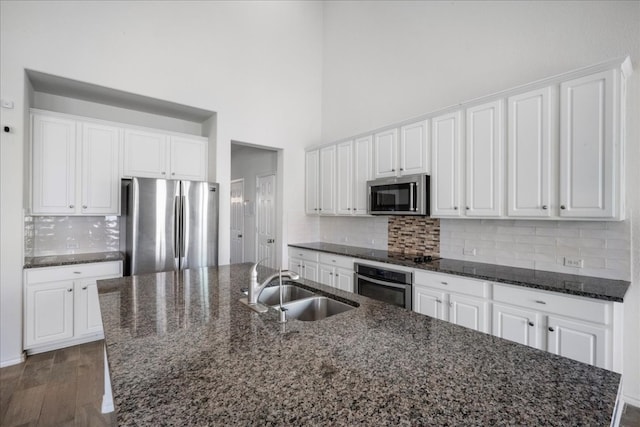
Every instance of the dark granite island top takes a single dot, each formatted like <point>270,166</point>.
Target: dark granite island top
<point>58,260</point>
<point>183,351</point>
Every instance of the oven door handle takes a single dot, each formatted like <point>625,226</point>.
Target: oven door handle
<point>380,282</point>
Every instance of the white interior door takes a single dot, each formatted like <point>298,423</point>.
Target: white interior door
<point>266,220</point>
<point>237,221</point>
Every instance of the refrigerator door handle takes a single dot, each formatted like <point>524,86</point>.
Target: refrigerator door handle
<point>176,229</point>
<point>183,232</point>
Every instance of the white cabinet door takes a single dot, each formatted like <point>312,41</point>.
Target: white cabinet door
<point>519,325</point>
<point>344,178</point>
<point>430,302</point>
<point>312,175</point>
<point>530,140</point>
<point>310,270</point>
<point>145,154</point>
<point>343,279</point>
<point>54,165</point>
<point>188,158</point>
<point>414,148</point>
<point>100,173</point>
<point>362,162</point>
<point>295,265</point>
<point>385,153</point>
<point>445,166</point>
<point>468,312</point>
<point>325,275</point>
<point>578,341</point>
<point>328,180</point>
<point>49,313</point>
<point>484,157</point>
<point>588,139</point>
<point>87,319</point>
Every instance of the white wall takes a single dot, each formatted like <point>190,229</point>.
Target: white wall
<point>248,163</point>
<point>385,62</point>
<point>257,64</point>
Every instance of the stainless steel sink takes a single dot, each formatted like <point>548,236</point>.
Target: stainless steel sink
<point>271,295</point>
<point>314,308</point>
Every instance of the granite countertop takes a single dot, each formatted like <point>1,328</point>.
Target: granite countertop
<point>182,350</point>
<point>58,260</point>
<point>591,287</point>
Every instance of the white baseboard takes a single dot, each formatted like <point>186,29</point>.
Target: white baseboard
<point>62,344</point>
<point>631,400</point>
<point>15,361</point>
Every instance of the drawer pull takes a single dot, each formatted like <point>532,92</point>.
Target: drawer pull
<point>539,302</point>
<point>77,272</point>
<point>444,283</point>
<point>84,288</point>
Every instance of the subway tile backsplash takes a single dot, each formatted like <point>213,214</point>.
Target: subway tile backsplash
<point>603,247</point>
<point>366,232</point>
<point>64,235</point>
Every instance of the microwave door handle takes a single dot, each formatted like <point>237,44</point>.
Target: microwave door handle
<point>379,282</point>
<point>412,206</point>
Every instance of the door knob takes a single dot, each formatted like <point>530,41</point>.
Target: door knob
<point>270,240</point>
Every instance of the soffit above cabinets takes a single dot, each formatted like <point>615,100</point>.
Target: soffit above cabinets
<point>56,85</point>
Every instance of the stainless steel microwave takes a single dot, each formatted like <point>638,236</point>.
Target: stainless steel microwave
<point>403,195</point>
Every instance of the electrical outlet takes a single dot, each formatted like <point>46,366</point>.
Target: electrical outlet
<point>573,262</point>
<point>469,251</point>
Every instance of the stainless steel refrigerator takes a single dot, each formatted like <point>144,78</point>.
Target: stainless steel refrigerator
<point>168,225</point>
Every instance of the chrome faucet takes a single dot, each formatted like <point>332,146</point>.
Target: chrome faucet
<point>256,288</point>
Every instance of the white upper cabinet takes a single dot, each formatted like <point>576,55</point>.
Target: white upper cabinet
<point>312,181</point>
<point>188,158</point>
<point>344,178</point>
<point>100,172</point>
<point>414,148</point>
<point>328,180</point>
<point>385,153</point>
<point>145,154</point>
<point>75,167</point>
<point>531,143</point>
<point>484,159</point>
<point>54,165</point>
<point>159,155</point>
<point>589,146</point>
<point>362,161</point>
<point>446,160</point>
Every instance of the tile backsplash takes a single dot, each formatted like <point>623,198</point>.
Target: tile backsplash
<point>415,235</point>
<point>63,235</point>
<point>603,247</point>
<point>366,232</point>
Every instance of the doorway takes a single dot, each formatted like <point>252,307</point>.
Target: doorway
<point>255,214</point>
<point>237,221</point>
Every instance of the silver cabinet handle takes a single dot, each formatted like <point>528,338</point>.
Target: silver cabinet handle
<point>467,207</point>
<point>544,207</point>
<point>77,272</point>
<point>530,323</point>
<point>551,329</point>
<point>173,173</point>
<point>438,301</point>
<point>401,169</point>
<point>455,208</point>
<point>84,206</point>
<point>163,173</point>
<point>330,274</point>
<point>563,207</point>
<point>393,170</point>
<point>239,236</point>
<point>71,206</point>
<point>70,290</point>
<point>84,288</point>
<point>539,302</point>
<point>444,283</point>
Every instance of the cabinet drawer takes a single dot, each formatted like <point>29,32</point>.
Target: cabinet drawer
<point>72,272</point>
<point>336,261</point>
<point>304,254</point>
<point>450,283</point>
<point>576,307</point>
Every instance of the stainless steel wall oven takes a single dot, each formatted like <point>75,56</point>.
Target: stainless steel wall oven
<point>383,284</point>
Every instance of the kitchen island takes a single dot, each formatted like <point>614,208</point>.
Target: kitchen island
<point>182,350</point>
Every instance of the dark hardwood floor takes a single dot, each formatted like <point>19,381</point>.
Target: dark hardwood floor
<point>65,387</point>
<point>58,388</point>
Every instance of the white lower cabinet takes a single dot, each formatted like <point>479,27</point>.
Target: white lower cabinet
<point>456,299</point>
<point>577,328</point>
<point>304,262</point>
<point>61,305</point>
<point>336,271</point>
